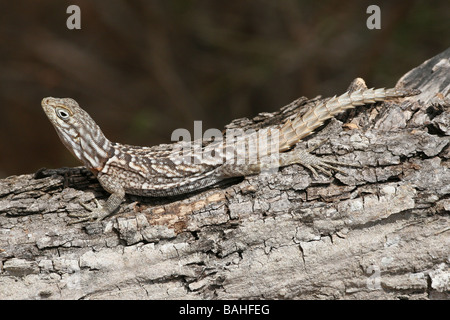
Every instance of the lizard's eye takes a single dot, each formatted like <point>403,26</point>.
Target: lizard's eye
<point>63,114</point>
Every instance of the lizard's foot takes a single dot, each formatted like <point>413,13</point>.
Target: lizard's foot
<point>96,214</point>
<point>313,162</point>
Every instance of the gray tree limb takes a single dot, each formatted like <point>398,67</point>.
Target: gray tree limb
<point>381,231</point>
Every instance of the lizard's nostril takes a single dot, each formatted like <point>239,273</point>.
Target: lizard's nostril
<point>45,101</point>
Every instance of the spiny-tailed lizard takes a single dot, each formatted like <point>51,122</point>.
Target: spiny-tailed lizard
<point>147,171</point>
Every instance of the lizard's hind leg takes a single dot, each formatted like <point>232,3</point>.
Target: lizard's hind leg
<point>274,161</point>
<point>311,161</point>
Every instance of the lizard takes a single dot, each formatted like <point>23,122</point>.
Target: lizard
<point>155,172</point>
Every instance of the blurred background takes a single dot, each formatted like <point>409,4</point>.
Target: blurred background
<point>144,68</point>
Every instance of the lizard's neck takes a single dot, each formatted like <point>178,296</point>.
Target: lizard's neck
<point>90,147</point>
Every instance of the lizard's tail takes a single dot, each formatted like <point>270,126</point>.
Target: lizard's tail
<point>292,131</point>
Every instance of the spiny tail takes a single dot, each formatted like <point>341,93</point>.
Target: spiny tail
<point>292,131</point>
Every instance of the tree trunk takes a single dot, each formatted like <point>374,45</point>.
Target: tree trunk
<point>379,232</point>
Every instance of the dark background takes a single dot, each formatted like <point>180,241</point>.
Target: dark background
<point>145,68</point>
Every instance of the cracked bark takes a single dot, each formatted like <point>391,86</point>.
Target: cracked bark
<point>382,231</point>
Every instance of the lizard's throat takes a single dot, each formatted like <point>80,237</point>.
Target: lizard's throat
<point>93,153</point>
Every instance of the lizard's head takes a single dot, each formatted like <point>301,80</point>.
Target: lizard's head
<point>77,131</point>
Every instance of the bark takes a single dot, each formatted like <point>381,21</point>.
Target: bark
<point>379,232</point>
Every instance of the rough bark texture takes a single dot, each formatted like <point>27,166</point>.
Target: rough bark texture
<point>382,231</point>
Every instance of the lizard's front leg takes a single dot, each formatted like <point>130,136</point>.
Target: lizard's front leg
<point>113,186</point>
